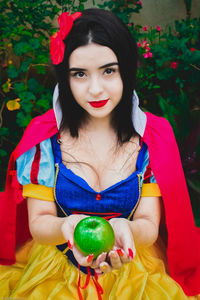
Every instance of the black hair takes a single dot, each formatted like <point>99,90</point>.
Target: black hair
<point>104,28</point>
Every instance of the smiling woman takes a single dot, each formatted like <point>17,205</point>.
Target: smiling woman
<point>97,154</point>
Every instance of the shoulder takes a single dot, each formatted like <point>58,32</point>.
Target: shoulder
<point>158,131</point>
<point>40,128</point>
<point>156,122</point>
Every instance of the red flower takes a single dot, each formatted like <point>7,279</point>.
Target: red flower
<point>158,28</point>
<point>140,3</point>
<point>57,46</point>
<point>192,49</point>
<point>147,55</point>
<point>145,28</point>
<point>174,65</point>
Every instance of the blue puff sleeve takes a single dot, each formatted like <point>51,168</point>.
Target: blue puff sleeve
<point>146,170</point>
<point>46,174</point>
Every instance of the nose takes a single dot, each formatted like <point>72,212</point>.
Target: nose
<point>95,86</point>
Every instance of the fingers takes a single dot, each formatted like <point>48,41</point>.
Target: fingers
<point>101,258</point>
<point>105,267</point>
<point>115,260</point>
<point>68,227</point>
<point>124,238</point>
<point>81,259</point>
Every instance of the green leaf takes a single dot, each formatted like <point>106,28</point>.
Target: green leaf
<point>4,131</point>
<point>22,119</point>
<point>34,43</point>
<point>33,85</point>
<point>12,72</point>
<point>40,69</point>
<point>21,48</point>
<point>19,87</point>
<point>27,96</point>
<point>168,112</point>
<point>25,64</point>
<point>3,153</point>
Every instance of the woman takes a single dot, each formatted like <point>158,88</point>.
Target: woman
<point>90,156</point>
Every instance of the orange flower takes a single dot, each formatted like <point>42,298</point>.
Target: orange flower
<point>13,104</point>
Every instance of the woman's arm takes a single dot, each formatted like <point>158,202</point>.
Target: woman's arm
<point>47,228</point>
<point>44,225</point>
<point>146,221</point>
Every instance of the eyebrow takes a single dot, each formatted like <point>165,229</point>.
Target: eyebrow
<point>102,67</point>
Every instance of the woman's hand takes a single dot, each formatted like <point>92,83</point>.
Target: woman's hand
<point>123,250</point>
<point>67,229</point>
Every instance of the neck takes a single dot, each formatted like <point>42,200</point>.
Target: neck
<point>98,125</point>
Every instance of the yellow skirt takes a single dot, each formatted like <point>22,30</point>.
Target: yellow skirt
<point>47,274</point>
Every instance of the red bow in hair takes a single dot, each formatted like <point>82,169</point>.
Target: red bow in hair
<point>57,46</point>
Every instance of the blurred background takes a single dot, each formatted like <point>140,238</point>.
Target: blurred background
<point>168,80</point>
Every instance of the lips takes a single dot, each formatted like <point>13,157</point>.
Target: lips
<point>97,104</point>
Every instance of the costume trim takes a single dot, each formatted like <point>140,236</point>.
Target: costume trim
<point>150,190</point>
<point>38,191</point>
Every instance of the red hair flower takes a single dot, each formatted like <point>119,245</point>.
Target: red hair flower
<point>57,46</point>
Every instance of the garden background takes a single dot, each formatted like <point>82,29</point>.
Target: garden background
<point>168,37</point>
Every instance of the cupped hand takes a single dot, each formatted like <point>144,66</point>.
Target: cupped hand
<point>123,250</point>
<point>67,229</point>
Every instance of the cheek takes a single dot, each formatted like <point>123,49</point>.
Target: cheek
<point>118,88</point>
<point>75,89</point>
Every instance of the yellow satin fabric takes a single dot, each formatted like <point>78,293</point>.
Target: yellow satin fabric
<point>38,191</point>
<point>48,274</point>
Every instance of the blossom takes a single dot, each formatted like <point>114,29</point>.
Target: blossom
<point>7,86</point>
<point>192,49</point>
<point>145,28</point>
<point>140,3</point>
<point>174,65</point>
<point>147,55</point>
<point>139,44</point>
<point>158,28</point>
<point>13,104</point>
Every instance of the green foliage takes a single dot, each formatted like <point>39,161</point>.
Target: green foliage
<point>168,85</point>
<point>122,8</point>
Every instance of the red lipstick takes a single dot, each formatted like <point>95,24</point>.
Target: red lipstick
<point>97,104</point>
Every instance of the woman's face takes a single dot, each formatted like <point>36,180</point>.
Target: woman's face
<point>95,79</point>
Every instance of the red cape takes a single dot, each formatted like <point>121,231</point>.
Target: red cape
<point>183,244</point>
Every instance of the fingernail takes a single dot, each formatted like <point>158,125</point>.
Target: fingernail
<point>103,268</point>
<point>120,253</point>
<point>90,257</point>
<point>69,244</point>
<point>130,253</point>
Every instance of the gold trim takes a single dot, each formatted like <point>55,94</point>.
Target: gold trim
<point>138,201</point>
<point>150,190</point>
<point>54,190</point>
<point>38,191</point>
<point>65,250</point>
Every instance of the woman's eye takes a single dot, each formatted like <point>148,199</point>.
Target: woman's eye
<point>109,71</point>
<point>79,74</point>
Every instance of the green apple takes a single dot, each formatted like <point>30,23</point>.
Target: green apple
<point>94,235</point>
